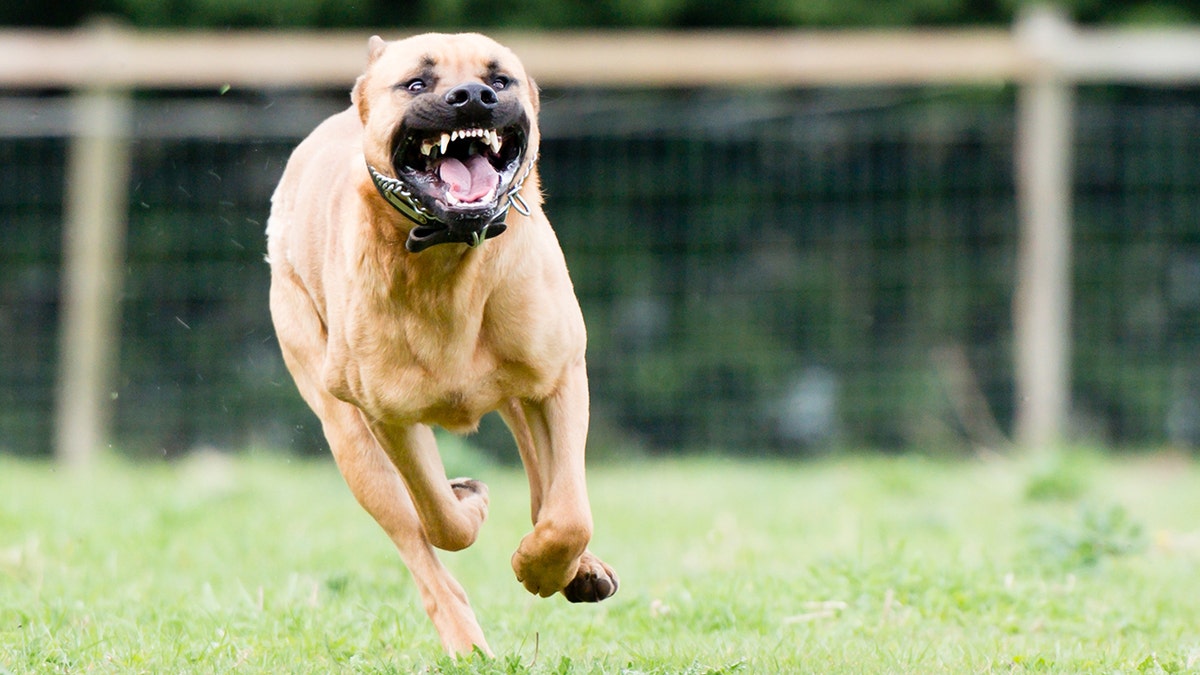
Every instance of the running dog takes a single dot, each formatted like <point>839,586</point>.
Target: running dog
<point>415,281</point>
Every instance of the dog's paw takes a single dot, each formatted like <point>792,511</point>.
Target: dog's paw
<point>472,496</point>
<point>594,581</point>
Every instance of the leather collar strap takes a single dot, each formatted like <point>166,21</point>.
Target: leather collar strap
<point>394,192</point>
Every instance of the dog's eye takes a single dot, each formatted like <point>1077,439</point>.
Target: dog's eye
<point>501,82</point>
<point>415,85</point>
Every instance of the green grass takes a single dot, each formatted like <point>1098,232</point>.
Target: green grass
<point>891,565</point>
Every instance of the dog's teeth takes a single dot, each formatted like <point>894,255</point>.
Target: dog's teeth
<point>427,146</point>
<point>494,141</point>
<point>445,142</point>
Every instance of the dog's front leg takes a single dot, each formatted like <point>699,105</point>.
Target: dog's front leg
<point>551,434</point>
<point>451,511</point>
<point>379,489</point>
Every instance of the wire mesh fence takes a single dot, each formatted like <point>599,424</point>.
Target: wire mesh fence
<point>761,271</point>
<point>780,271</point>
<point>1137,274</point>
<point>31,177</point>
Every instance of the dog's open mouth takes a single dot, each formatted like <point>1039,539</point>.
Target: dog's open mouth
<point>460,173</point>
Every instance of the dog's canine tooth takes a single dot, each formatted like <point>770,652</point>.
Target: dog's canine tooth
<point>445,142</point>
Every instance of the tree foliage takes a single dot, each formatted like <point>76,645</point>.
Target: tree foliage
<point>528,14</point>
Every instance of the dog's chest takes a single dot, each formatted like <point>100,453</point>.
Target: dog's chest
<point>456,397</point>
<point>414,373</point>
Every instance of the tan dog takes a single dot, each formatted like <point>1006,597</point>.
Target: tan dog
<point>415,281</point>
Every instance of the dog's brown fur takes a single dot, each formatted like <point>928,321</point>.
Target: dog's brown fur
<point>383,343</point>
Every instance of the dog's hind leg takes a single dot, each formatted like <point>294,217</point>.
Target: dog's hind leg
<point>550,435</point>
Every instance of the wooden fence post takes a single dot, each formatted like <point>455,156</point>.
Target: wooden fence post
<point>96,199</point>
<point>1042,302</point>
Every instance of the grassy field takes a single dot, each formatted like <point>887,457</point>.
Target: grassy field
<point>854,565</point>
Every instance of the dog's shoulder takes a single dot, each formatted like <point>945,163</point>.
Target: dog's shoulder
<point>318,165</point>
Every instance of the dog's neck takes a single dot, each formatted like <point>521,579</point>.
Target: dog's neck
<point>388,267</point>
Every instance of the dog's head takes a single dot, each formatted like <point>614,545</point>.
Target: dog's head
<point>450,133</point>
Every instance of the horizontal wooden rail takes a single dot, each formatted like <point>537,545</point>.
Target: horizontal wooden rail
<point>110,56</point>
<point>1147,56</point>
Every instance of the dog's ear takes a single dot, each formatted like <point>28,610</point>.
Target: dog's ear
<point>357,99</point>
<point>375,47</point>
<point>533,94</point>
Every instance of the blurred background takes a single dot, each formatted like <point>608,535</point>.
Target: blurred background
<point>781,265</point>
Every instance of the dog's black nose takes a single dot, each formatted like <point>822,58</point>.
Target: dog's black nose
<point>472,97</point>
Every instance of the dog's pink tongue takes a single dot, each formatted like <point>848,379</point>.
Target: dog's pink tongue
<point>468,181</point>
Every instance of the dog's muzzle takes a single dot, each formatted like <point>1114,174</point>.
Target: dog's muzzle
<point>431,231</point>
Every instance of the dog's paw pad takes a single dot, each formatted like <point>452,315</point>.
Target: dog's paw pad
<point>593,583</point>
<point>465,488</point>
